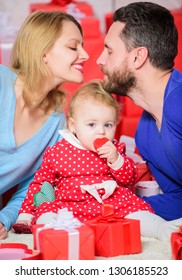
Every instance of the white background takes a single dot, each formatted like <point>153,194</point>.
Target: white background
<point>17,10</point>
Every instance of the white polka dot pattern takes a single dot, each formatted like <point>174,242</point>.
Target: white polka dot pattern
<point>67,167</point>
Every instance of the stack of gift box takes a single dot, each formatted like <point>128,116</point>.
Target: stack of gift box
<point>63,6</point>
<point>176,245</point>
<point>106,236</point>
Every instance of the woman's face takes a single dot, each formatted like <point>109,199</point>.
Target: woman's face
<point>67,57</point>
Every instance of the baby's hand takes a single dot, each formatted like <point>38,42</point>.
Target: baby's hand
<point>106,150</point>
<point>22,227</point>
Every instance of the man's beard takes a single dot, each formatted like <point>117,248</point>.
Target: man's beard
<point>120,83</point>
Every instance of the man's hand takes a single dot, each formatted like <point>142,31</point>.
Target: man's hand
<point>3,232</point>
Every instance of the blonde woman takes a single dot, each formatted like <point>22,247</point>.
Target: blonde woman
<point>47,52</point>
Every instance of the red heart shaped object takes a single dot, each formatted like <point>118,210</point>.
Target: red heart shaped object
<point>99,142</point>
<point>21,228</point>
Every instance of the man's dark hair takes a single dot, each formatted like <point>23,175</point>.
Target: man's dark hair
<point>152,26</point>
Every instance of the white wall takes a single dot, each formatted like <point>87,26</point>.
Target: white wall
<point>17,10</point>
<point>13,13</point>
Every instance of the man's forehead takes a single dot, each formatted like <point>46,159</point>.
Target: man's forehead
<point>114,33</point>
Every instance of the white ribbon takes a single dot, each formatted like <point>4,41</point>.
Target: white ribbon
<point>109,187</point>
<point>65,221</point>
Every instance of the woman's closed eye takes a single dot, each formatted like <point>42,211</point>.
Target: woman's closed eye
<point>73,49</point>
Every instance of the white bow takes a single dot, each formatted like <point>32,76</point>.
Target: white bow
<point>64,220</point>
<point>109,187</point>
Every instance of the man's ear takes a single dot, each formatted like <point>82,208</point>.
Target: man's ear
<point>71,125</point>
<point>140,57</point>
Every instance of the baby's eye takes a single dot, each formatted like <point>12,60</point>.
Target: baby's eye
<point>91,124</point>
<point>108,125</point>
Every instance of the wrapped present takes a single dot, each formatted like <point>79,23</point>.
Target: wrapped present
<point>144,173</point>
<point>65,238</point>
<point>17,251</point>
<point>61,2</point>
<point>63,6</point>
<point>147,188</point>
<point>115,236</point>
<point>176,245</point>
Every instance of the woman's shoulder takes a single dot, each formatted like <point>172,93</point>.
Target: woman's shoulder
<point>5,71</point>
<point>7,78</point>
<point>4,68</point>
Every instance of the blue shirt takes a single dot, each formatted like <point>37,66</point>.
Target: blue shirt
<point>162,150</point>
<point>19,163</point>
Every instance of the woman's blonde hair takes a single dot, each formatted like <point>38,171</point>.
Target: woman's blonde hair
<point>95,92</point>
<point>37,35</point>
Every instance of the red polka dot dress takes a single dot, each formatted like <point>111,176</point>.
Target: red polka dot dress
<point>68,167</point>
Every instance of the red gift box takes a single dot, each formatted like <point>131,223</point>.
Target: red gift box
<point>176,245</point>
<point>69,239</point>
<point>144,173</point>
<point>61,2</point>
<point>115,236</point>
<point>15,251</point>
<point>83,7</point>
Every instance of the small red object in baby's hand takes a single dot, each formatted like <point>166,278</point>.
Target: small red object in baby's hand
<point>99,142</point>
<point>21,228</point>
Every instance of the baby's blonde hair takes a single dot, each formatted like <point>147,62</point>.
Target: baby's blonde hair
<point>93,90</point>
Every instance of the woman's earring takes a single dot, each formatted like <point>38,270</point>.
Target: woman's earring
<point>45,58</point>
